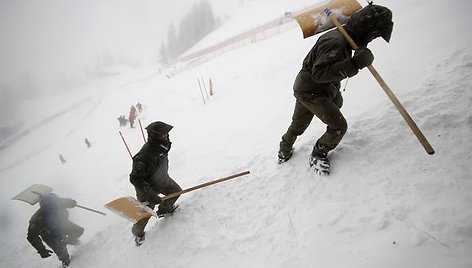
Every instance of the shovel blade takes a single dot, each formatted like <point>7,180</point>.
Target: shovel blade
<point>130,208</point>
<point>32,194</point>
<point>314,20</point>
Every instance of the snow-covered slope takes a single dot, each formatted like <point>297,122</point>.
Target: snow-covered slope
<point>386,204</point>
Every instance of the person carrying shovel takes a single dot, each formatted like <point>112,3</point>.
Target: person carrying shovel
<point>150,175</point>
<point>317,85</point>
<point>50,223</point>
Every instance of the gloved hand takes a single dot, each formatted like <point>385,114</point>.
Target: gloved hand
<point>363,57</point>
<point>142,195</point>
<point>66,263</point>
<point>155,199</point>
<point>45,253</point>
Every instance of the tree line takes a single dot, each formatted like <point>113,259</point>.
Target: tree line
<point>199,22</point>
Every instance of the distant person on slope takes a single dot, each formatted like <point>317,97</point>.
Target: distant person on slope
<point>132,116</point>
<point>63,160</point>
<point>87,143</point>
<point>150,175</point>
<point>51,224</point>
<point>317,85</point>
<point>139,106</point>
<point>122,120</point>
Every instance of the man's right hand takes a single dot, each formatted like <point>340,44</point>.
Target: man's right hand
<point>363,57</point>
<point>45,253</point>
<point>155,199</point>
<point>142,195</point>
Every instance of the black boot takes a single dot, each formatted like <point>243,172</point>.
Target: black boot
<point>320,164</point>
<point>284,157</point>
<point>139,239</point>
<point>162,211</point>
<point>65,263</point>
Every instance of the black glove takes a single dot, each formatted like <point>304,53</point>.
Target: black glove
<point>363,57</point>
<point>142,195</point>
<point>155,199</point>
<point>45,253</point>
<point>66,263</point>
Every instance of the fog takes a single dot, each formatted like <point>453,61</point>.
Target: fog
<point>52,46</point>
<point>51,39</point>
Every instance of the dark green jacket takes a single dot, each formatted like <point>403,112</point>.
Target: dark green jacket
<point>150,170</point>
<point>49,223</point>
<point>327,63</point>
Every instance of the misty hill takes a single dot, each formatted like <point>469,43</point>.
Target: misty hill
<point>386,204</point>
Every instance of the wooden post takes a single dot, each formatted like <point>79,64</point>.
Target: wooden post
<point>211,87</point>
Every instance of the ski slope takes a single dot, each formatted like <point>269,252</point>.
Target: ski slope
<point>386,204</point>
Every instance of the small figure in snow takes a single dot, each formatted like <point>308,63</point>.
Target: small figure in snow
<point>150,175</point>
<point>132,116</point>
<point>122,120</point>
<point>317,85</point>
<point>87,142</point>
<point>139,106</point>
<point>63,160</point>
<point>50,223</point>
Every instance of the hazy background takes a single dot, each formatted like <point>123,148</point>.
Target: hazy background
<point>52,46</point>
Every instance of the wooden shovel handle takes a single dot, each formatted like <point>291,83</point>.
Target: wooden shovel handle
<point>203,185</point>
<point>93,210</point>
<point>419,135</point>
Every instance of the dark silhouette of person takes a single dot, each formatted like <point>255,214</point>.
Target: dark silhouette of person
<point>87,142</point>
<point>50,224</point>
<point>63,160</point>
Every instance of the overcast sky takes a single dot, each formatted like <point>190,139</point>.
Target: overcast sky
<point>48,37</point>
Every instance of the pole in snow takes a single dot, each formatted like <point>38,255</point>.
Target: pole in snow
<point>141,127</point>
<point>126,145</point>
<point>199,85</point>
<point>204,87</point>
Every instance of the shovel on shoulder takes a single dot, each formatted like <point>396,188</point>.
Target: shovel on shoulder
<point>333,14</point>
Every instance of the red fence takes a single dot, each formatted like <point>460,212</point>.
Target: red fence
<point>260,33</point>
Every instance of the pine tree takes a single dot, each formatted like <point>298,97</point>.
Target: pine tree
<point>173,45</point>
<point>192,28</point>
<point>163,55</point>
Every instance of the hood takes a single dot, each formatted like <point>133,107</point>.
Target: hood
<point>369,23</point>
<point>158,132</point>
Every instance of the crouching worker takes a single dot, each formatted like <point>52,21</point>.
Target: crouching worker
<point>50,223</point>
<point>150,175</point>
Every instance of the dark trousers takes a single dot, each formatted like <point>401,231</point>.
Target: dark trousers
<point>172,187</point>
<point>72,232</point>
<point>327,110</point>
<point>59,247</point>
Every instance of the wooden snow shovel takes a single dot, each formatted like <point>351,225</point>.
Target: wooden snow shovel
<point>133,210</point>
<point>314,21</point>
<point>130,208</point>
<point>416,130</point>
<point>331,15</point>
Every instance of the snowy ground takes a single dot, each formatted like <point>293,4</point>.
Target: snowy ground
<point>386,204</point>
